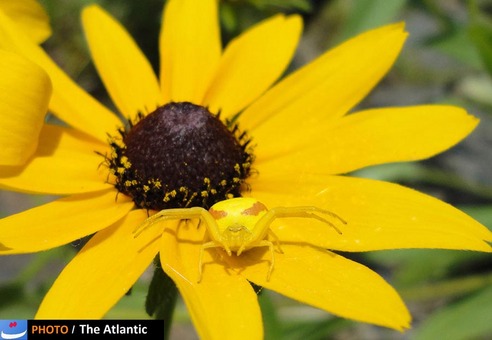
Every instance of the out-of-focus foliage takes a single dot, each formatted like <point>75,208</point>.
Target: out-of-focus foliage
<point>480,31</point>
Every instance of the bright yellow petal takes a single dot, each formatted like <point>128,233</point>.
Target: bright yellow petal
<point>223,305</point>
<point>64,163</point>
<point>25,90</point>
<point>69,102</point>
<point>252,62</point>
<point>367,138</point>
<point>329,86</point>
<point>328,281</point>
<point>379,215</point>
<point>190,49</point>
<point>125,71</point>
<point>61,222</point>
<point>29,16</point>
<point>101,273</point>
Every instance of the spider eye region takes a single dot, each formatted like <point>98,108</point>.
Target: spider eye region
<point>236,236</point>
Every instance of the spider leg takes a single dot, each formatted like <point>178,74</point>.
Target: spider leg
<point>269,244</point>
<point>302,211</point>
<point>272,262</point>
<point>277,240</point>
<point>172,214</point>
<point>206,245</point>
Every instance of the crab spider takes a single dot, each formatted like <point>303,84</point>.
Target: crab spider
<point>238,224</point>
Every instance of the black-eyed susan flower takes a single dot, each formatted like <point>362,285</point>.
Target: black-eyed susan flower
<point>216,125</point>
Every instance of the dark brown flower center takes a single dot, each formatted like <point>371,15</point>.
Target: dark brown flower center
<point>180,155</point>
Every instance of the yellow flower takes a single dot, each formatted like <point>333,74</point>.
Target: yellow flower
<point>29,16</point>
<point>303,141</point>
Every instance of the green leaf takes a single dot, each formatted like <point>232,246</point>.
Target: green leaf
<point>316,329</point>
<point>11,293</point>
<point>162,296</point>
<point>480,32</point>
<point>271,322</point>
<point>287,5</point>
<point>414,266</point>
<point>367,14</point>
<point>458,45</point>
<point>228,17</point>
<point>468,319</point>
<point>481,36</point>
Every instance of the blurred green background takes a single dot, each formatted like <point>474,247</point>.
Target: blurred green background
<point>447,59</point>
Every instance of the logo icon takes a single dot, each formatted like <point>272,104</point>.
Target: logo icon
<point>13,329</point>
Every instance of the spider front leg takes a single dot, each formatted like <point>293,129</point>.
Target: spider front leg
<point>304,212</point>
<point>263,225</point>
<point>175,214</point>
<point>186,214</point>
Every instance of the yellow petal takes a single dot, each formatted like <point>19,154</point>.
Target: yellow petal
<point>252,62</point>
<point>327,87</point>
<point>190,49</point>
<point>328,281</point>
<point>69,102</point>
<point>223,305</point>
<point>126,73</point>
<point>64,163</point>
<point>379,215</point>
<point>61,222</point>
<point>29,16</point>
<point>25,90</point>
<point>367,138</point>
<point>101,273</point>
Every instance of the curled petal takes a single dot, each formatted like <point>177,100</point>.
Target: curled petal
<point>29,16</point>
<point>25,91</point>
<point>69,102</point>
